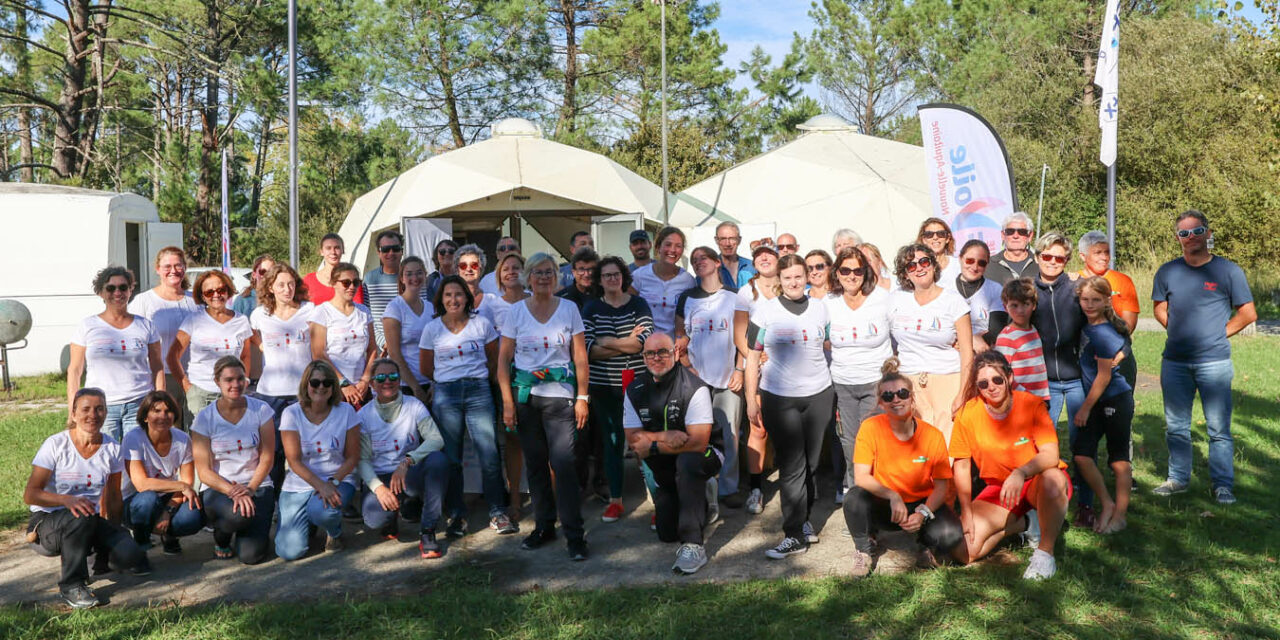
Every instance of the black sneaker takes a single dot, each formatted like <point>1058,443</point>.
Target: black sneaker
<point>457,527</point>
<point>391,530</point>
<point>733,500</point>
<point>578,550</point>
<point>788,547</point>
<point>79,597</point>
<point>142,568</point>
<point>428,548</point>
<point>101,566</point>
<point>538,538</point>
<point>171,546</point>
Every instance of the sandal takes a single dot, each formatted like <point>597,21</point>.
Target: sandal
<point>223,553</point>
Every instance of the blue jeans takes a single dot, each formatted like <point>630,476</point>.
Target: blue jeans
<point>424,484</point>
<point>143,510</point>
<point>469,403</point>
<point>299,510</point>
<point>122,418</point>
<point>1071,393</point>
<point>1179,382</point>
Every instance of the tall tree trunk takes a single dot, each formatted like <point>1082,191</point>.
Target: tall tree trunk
<point>259,165</point>
<point>203,238</point>
<point>449,93</point>
<point>97,83</point>
<point>568,121</point>
<point>69,114</point>
<point>22,73</point>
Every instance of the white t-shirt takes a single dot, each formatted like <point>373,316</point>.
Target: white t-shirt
<point>167,316</point>
<point>797,360</point>
<point>116,359</point>
<point>984,301</point>
<point>347,337</point>
<point>322,444</point>
<point>698,411</point>
<point>951,272</point>
<point>708,321</point>
<point>925,334</point>
<point>391,441</point>
<point>489,284</point>
<point>286,349</point>
<point>459,355</point>
<point>137,446</point>
<point>73,475</point>
<point>859,339</point>
<point>541,345</point>
<point>211,340</point>
<point>411,325</point>
<point>745,302</point>
<point>662,295</point>
<point>235,446</point>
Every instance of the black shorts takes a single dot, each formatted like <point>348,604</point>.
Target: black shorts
<point>1111,418</point>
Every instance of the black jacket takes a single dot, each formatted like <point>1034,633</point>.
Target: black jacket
<point>1059,321</point>
<point>663,405</point>
<point>1002,270</point>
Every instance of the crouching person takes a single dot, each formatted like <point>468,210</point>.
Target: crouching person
<point>667,416</point>
<point>901,474</point>
<point>402,461</point>
<point>160,475</point>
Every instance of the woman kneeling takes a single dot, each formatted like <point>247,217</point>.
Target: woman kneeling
<point>1009,435</point>
<point>159,483</point>
<point>901,475</point>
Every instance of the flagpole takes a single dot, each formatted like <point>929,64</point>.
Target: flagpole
<point>1111,213</point>
<point>293,134</point>
<point>226,232</point>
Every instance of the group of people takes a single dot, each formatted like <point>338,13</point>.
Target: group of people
<point>936,377</point>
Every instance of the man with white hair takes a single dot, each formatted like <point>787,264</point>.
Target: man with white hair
<point>735,270</point>
<point>1095,253</point>
<point>843,239</point>
<point>787,245</point>
<point>1015,259</point>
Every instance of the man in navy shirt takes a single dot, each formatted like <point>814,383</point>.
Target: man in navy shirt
<point>1194,298</point>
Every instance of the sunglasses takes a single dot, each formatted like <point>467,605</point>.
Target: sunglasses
<point>262,272</point>
<point>822,266</point>
<point>391,248</point>
<point>220,291</point>
<point>920,263</point>
<point>317,383</point>
<point>1187,233</point>
<point>1049,257</point>
<point>446,252</point>
<point>468,266</point>
<point>888,396</point>
<point>112,288</point>
<point>508,247</point>
<point>929,235</point>
<point>349,282</point>
<point>386,377</point>
<point>1010,231</point>
<point>655,354</point>
<point>995,380</point>
<point>979,261</point>
<point>855,271</point>
<point>788,247</point>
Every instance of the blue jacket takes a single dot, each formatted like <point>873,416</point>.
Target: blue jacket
<point>745,271</point>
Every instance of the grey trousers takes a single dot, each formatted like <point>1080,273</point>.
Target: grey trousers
<point>854,403</point>
<point>726,410</point>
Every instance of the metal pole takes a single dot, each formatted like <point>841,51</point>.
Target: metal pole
<point>1040,207</point>
<point>1111,213</point>
<point>666,185</point>
<point>293,134</point>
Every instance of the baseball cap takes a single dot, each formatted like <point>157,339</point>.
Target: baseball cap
<point>638,234</point>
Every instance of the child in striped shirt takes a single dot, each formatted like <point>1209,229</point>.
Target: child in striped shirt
<point>1020,342</point>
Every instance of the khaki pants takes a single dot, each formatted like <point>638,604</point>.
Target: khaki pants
<point>934,395</point>
<point>174,387</point>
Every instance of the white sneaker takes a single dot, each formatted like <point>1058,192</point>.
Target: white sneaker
<point>1169,487</point>
<point>755,502</point>
<point>690,558</point>
<point>1041,567</point>
<point>810,535</point>
<point>713,504</point>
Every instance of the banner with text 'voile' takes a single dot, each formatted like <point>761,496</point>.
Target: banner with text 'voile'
<point>969,175</point>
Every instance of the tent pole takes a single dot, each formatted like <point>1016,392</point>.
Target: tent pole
<point>293,134</point>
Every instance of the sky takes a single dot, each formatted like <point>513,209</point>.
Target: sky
<point>743,24</point>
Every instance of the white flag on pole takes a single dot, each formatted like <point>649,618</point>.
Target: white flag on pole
<point>1107,77</point>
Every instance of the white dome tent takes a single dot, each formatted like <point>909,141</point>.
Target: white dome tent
<point>515,181</point>
<point>829,178</point>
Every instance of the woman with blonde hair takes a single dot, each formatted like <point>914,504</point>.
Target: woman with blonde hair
<point>166,306</point>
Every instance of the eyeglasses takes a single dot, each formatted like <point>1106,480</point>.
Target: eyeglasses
<point>112,288</point>
<point>386,377</point>
<point>655,354</point>
<point>1013,231</point>
<point>584,270</point>
<point>508,247</point>
<point>348,282</point>
<point>929,235</point>
<point>468,266</point>
<point>390,248</point>
<point>995,380</point>
<point>920,263</point>
<point>1049,257</point>
<point>447,251</point>
<point>1187,233</point>
<point>543,273</point>
<point>855,271</point>
<point>979,261</point>
<point>729,239</point>
<point>821,266</point>
<point>888,396</point>
<point>220,291</point>
<point>317,383</point>
<point>788,247</point>
<point>612,275</point>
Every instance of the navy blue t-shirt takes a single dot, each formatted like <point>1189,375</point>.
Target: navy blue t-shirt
<point>1201,300</point>
<point>1103,342</point>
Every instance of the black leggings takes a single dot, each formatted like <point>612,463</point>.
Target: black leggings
<point>62,534</point>
<point>548,433</point>
<point>865,513</point>
<point>251,535</point>
<point>796,427</point>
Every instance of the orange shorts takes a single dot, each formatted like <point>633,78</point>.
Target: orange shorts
<point>1030,489</point>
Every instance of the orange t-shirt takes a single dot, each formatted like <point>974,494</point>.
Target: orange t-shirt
<point>1124,296</point>
<point>1000,446</point>
<point>910,467</point>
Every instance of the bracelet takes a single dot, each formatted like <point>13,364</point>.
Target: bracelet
<point>739,369</point>
<point>924,512</point>
<point>586,399</point>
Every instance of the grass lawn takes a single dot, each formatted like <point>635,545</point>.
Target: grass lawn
<point>1185,568</point>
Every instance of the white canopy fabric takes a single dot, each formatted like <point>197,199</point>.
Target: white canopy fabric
<point>829,178</point>
<point>515,171</point>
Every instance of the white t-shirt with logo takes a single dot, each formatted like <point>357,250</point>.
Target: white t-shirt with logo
<point>116,359</point>
<point>411,325</point>
<point>797,365</point>
<point>347,338</point>
<point>859,339</point>
<point>167,316</point>
<point>926,334</point>
<point>662,295</point>
<point>323,445</point>
<point>708,321</point>
<point>235,446</point>
<point>137,446</point>
<point>459,355</point>
<point>981,304</point>
<point>73,475</point>
<point>286,349</point>
<point>541,345</point>
<point>391,441</point>
<point>211,340</point>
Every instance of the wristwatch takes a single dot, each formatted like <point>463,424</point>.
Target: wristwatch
<point>924,512</point>
<point>653,448</point>
<point>586,399</point>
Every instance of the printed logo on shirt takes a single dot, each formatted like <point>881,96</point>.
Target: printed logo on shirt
<point>935,325</point>
<point>123,346</point>
<point>920,460</point>
<point>1021,441</point>
<point>68,482</point>
<point>286,338</point>
<point>226,446</point>
<point>1210,286</point>
<point>535,343</point>
<point>463,350</point>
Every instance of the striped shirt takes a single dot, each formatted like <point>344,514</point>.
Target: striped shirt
<point>600,320</point>
<point>1023,349</point>
<point>379,288</point>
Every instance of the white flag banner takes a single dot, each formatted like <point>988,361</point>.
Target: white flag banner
<point>970,179</point>
<point>1107,77</point>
